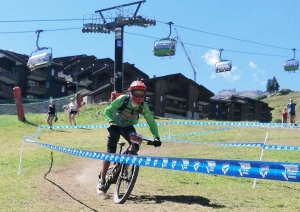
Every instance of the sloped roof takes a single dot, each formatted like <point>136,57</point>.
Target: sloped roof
<point>19,58</point>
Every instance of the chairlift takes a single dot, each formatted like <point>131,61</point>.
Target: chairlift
<point>41,57</point>
<point>292,64</point>
<point>223,65</point>
<point>165,46</point>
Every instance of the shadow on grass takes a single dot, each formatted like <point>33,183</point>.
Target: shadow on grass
<point>30,123</point>
<point>157,199</point>
<point>58,186</point>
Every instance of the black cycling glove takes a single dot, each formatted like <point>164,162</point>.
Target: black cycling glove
<point>156,142</point>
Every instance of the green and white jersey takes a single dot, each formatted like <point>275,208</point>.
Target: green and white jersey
<point>129,116</point>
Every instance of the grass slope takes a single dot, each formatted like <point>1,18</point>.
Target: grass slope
<point>279,101</point>
<point>156,190</point>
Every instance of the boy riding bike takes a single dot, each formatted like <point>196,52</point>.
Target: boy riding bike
<point>122,114</point>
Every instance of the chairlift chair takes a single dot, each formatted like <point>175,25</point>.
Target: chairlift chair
<point>41,57</point>
<point>292,64</point>
<point>223,65</point>
<point>165,46</point>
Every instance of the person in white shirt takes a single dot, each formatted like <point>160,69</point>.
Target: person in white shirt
<point>72,111</point>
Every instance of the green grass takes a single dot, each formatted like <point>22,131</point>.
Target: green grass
<point>278,102</point>
<point>175,190</point>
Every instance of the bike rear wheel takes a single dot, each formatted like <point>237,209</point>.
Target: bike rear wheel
<point>125,182</point>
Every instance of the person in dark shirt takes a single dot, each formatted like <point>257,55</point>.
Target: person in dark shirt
<point>292,111</point>
<point>51,113</point>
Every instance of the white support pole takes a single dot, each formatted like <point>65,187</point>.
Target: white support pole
<point>238,134</point>
<point>261,156</point>
<point>169,131</point>
<point>21,156</point>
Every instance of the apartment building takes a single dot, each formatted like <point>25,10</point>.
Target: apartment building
<point>238,108</point>
<point>176,96</point>
<point>172,95</point>
<point>37,84</point>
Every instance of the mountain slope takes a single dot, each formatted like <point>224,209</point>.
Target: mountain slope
<point>250,93</point>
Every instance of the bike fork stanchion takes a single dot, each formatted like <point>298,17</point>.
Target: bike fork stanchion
<point>261,156</point>
<point>21,156</point>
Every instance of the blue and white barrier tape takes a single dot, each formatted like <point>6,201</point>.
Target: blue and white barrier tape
<point>203,132</point>
<point>279,147</point>
<point>235,124</point>
<point>34,135</point>
<point>280,171</point>
<point>251,144</point>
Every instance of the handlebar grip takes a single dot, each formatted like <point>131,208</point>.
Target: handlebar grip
<point>149,142</point>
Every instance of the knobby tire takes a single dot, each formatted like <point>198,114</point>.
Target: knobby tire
<point>127,178</point>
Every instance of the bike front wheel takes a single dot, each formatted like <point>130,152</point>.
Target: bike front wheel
<point>125,182</point>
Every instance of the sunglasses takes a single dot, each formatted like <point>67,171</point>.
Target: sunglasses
<point>138,94</point>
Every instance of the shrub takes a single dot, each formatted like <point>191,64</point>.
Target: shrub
<point>285,91</point>
<point>261,97</point>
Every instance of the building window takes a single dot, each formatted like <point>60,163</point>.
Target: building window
<point>52,72</point>
<point>158,85</point>
<point>62,88</point>
<point>199,108</point>
<point>194,104</point>
<point>192,92</point>
<point>217,113</point>
<point>161,98</point>
<point>47,84</point>
<point>217,106</point>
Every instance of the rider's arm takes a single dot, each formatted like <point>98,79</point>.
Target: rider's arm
<point>150,120</point>
<point>113,107</point>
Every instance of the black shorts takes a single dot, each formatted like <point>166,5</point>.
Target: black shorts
<point>50,115</point>
<point>292,113</point>
<point>73,112</point>
<point>114,133</point>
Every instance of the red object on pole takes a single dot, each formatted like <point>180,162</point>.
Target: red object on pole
<point>79,102</point>
<point>19,103</point>
<point>114,95</point>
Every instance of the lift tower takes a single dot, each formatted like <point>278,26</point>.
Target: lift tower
<point>109,23</point>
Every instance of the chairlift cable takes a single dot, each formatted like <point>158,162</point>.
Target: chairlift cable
<point>186,54</point>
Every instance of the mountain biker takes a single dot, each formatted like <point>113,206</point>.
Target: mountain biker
<point>121,122</point>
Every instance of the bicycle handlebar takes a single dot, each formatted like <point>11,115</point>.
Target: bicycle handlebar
<point>149,142</point>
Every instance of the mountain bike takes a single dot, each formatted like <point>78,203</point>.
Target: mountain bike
<point>124,175</point>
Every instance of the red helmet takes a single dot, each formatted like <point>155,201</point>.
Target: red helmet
<point>138,91</point>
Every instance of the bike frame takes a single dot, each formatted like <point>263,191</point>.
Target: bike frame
<point>116,171</point>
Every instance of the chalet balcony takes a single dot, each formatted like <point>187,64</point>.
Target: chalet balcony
<point>8,77</point>
<point>176,95</point>
<point>37,75</point>
<point>175,109</point>
<point>149,92</point>
<point>6,91</point>
<point>84,92</point>
<point>61,74</point>
<point>86,82</point>
<point>36,89</point>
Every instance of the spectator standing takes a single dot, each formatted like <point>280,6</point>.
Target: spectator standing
<point>51,113</point>
<point>284,116</point>
<point>72,111</point>
<point>292,110</point>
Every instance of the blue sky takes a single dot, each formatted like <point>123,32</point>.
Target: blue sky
<point>257,36</point>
